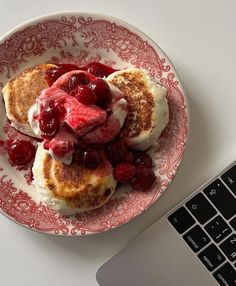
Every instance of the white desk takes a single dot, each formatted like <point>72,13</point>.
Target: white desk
<point>200,39</point>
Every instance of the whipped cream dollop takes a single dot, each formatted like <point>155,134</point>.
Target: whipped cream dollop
<point>88,122</point>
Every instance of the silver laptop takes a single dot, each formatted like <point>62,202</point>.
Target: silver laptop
<point>194,244</point>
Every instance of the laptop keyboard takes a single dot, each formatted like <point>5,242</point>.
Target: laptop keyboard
<point>207,223</point>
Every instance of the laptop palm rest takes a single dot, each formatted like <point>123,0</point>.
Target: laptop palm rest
<point>157,257</point>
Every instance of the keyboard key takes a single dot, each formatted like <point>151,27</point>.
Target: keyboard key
<point>211,257</point>
<point>229,177</point>
<point>226,275</point>
<point>221,197</point>
<point>200,207</point>
<point>229,247</point>
<point>181,220</point>
<point>218,229</point>
<point>233,223</point>
<point>196,238</point>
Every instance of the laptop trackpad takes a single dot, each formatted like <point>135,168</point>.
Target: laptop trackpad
<point>158,257</point>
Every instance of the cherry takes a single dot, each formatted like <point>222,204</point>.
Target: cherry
<point>125,172</point>
<point>77,79</point>
<point>84,94</point>
<point>98,69</point>
<point>144,179</point>
<point>102,90</point>
<point>49,122</point>
<point>80,144</point>
<point>48,111</point>
<point>91,159</point>
<point>116,151</point>
<point>78,156</point>
<point>142,158</point>
<point>49,128</point>
<point>20,152</point>
<point>52,74</point>
<point>129,157</point>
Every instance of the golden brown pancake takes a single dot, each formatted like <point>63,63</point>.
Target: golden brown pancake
<point>21,92</point>
<point>148,112</point>
<point>72,188</point>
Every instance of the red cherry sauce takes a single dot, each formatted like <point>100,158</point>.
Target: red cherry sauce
<point>52,74</point>
<point>94,68</point>
<point>50,117</point>
<point>98,69</point>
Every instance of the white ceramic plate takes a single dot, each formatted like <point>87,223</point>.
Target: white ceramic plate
<point>81,38</point>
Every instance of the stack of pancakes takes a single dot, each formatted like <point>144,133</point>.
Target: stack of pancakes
<point>73,188</point>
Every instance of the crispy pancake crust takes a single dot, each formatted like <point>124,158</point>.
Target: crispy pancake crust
<point>148,112</point>
<point>140,100</point>
<point>73,185</point>
<point>21,92</point>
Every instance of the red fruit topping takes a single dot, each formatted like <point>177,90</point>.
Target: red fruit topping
<point>49,128</point>
<point>68,67</point>
<point>20,152</point>
<point>116,152</point>
<point>46,145</point>
<point>129,157</point>
<point>60,110</point>
<point>125,172</point>
<point>91,159</point>
<point>144,179</point>
<point>61,149</point>
<point>48,111</point>
<point>75,80</point>
<point>78,156</point>
<point>84,94</point>
<point>142,158</point>
<point>53,74</point>
<point>83,78</point>
<point>1,143</point>
<point>102,91</point>
<point>82,118</point>
<point>80,144</point>
<point>98,69</point>
<point>49,122</point>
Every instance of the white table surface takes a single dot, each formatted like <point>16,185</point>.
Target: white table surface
<point>200,39</point>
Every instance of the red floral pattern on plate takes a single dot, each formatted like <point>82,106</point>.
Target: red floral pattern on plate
<point>35,40</point>
<point>81,39</point>
<point>81,59</point>
<point>128,46</point>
